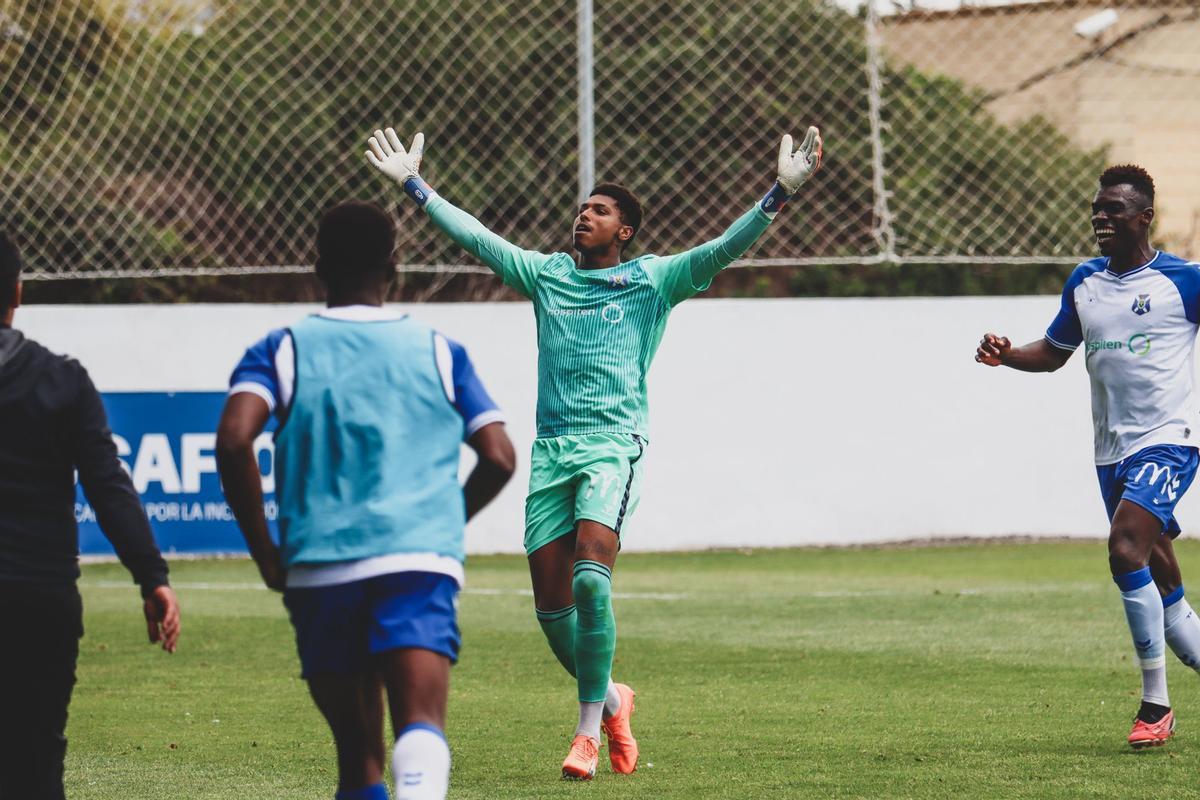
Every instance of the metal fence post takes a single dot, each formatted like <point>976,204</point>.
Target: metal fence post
<point>881,228</point>
<point>587,110</point>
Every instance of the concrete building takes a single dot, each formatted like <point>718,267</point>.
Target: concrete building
<point>1128,81</point>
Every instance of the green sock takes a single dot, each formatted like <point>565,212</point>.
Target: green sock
<point>596,629</point>
<point>559,627</point>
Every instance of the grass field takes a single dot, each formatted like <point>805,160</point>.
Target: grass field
<point>977,671</point>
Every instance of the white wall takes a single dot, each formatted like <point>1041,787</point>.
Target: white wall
<point>774,422</point>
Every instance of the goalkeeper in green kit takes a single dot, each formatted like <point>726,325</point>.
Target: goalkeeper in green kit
<point>599,321</point>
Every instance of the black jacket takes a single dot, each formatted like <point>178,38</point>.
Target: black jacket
<point>53,423</point>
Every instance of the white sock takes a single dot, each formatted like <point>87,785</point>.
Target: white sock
<point>1183,630</point>
<point>1154,685</point>
<point>1144,612</point>
<point>421,763</point>
<point>612,699</point>
<point>589,719</point>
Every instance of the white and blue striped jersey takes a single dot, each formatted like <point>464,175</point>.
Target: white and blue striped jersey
<point>1138,331</point>
<point>268,370</point>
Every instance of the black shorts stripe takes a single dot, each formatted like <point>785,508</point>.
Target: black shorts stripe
<point>629,485</point>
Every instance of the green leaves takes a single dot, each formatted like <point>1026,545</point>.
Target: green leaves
<point>175,136</point>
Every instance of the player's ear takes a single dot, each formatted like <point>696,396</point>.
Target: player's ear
<point>1147,216</point>
<point>17,295</point>
<point>389,275</point>
<point>625,233</point>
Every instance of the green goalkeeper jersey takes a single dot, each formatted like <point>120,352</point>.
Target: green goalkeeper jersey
<point>597,329</point>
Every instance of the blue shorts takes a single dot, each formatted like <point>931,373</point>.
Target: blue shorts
<point>339,628</point>
<point>1154,478</point>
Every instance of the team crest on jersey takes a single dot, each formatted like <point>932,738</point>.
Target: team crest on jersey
<point>618,281</point>
<point>1141,305</point>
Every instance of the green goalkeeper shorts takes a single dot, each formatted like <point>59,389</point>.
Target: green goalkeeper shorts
<point>594,476</point>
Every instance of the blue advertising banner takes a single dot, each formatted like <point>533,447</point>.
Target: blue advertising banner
<point>166,442</point>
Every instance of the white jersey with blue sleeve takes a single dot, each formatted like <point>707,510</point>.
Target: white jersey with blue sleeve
<point>1138,331</point>
<point>268,370</point>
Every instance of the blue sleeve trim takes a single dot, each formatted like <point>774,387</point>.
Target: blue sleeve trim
<point>420,726</point>
<point>1061,345</point>
<point>775,200</point>
<point>258,364</point>
<point>1186,277</point>
<point>1173,598</point>
<point>1131,581</point>
<point>471,399</point>
<point>418,190</point>
<point>482,421</point>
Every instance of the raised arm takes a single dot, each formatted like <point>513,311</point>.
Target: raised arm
<point>680,276</point>
<point>518,268</point>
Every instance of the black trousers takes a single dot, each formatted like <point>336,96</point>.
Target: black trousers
<point>40,627</point>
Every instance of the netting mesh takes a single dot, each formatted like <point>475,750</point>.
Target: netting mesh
<point>1000,119</point>
<point>165,137</point>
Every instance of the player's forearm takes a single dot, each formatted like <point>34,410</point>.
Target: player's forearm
<point>1039,356</point>
<point>741,235</point>
<point>465,230</point>
<point>123,521</point>
<point>403,166</point>
<point>483,484</point>
<point>496,465</point>
<point>110,491</point>
<point>711,257</point>
<point>514,266</point>
<point>237,465</point>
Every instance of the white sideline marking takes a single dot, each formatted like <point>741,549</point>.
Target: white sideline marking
<point>616,595</point>
<point>234,587</point>
<point>1078,586</point>
<point>671,597</point>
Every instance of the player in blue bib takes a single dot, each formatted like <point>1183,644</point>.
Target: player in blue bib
<point>1135,312</point>
<point>372,407</point>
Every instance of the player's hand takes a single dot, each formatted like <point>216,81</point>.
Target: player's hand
<point>796,168</point>
<point>161,609</point>
<point>270,566</point>
<point>993,350</point>
<point>390,157</point>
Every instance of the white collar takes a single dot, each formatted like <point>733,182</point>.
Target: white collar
<point>1125,275</point>
<point>362,313</point>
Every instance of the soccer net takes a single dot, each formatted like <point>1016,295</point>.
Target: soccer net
<point>191,137</point>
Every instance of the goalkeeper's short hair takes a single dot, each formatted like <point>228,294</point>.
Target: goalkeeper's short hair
<point>355,241</point>
<point>10,272</point>
<point>627,203</point>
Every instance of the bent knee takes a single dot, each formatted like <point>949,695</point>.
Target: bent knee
<point>1125,553</point>
<point>592,582</point>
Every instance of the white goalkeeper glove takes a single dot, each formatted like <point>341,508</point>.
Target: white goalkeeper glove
<point>794,169</point>
<point>403,166</point>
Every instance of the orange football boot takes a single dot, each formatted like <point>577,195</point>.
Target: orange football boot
<point>581,761</point>
<point>622,747</point>
<point>1152,734</point>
